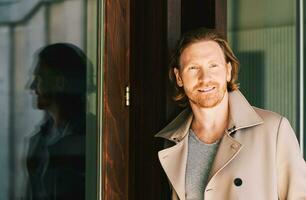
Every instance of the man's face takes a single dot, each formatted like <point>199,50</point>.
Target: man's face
<point>203,74</point>
<point>44,86</point>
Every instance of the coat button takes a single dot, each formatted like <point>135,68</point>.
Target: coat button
<point>238,182</point>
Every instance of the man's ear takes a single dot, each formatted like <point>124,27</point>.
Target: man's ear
<point>179,80</point>
<point>228,72</point>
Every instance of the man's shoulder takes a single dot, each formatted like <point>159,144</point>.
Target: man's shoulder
<point>268,116</point>
<point>178,127</point>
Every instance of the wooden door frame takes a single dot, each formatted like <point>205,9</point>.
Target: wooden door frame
<point>115,116</point>
<point>139,36</point>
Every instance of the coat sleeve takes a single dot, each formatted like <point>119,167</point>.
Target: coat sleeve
<point>291,167</point>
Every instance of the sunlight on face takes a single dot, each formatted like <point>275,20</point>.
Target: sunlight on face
<point>203,73</point>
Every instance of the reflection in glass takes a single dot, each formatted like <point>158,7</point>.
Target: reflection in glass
<point>25,27</point>
<point>56,156</point>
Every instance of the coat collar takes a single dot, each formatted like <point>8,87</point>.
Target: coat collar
<point>242,115</point>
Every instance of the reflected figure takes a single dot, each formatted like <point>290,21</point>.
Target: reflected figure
<point>56,157</point>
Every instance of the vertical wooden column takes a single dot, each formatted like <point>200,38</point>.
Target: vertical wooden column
<point>116,114</point>
<point>148,96</point>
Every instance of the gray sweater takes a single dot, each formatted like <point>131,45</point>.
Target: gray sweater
<point>199,162</point>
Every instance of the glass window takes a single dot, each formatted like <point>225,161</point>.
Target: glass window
<point>47,99</point>
<point>263,35</point>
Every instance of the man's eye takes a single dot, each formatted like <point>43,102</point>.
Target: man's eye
<point>193,67</point>
<point>213,65</point>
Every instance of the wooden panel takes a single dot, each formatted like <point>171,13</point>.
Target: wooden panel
<point>148,98</point>
<point>197,13</point>
<point>116,116</point>
<point>208,13</point>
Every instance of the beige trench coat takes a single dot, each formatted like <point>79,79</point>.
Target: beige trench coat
<point>259,149</point>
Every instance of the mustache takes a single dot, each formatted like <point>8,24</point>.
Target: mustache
<point>205,85</point>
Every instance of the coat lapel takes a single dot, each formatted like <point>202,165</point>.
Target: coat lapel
<point>242,115</point>
<point>228,150</point>
<point>173,161</point>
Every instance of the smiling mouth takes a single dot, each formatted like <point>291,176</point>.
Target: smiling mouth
<point>209,89</point>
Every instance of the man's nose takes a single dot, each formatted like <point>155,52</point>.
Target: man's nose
<point>203,75</point>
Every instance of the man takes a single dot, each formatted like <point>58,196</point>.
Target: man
<point>56,157</point>
<point>220,147</point>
